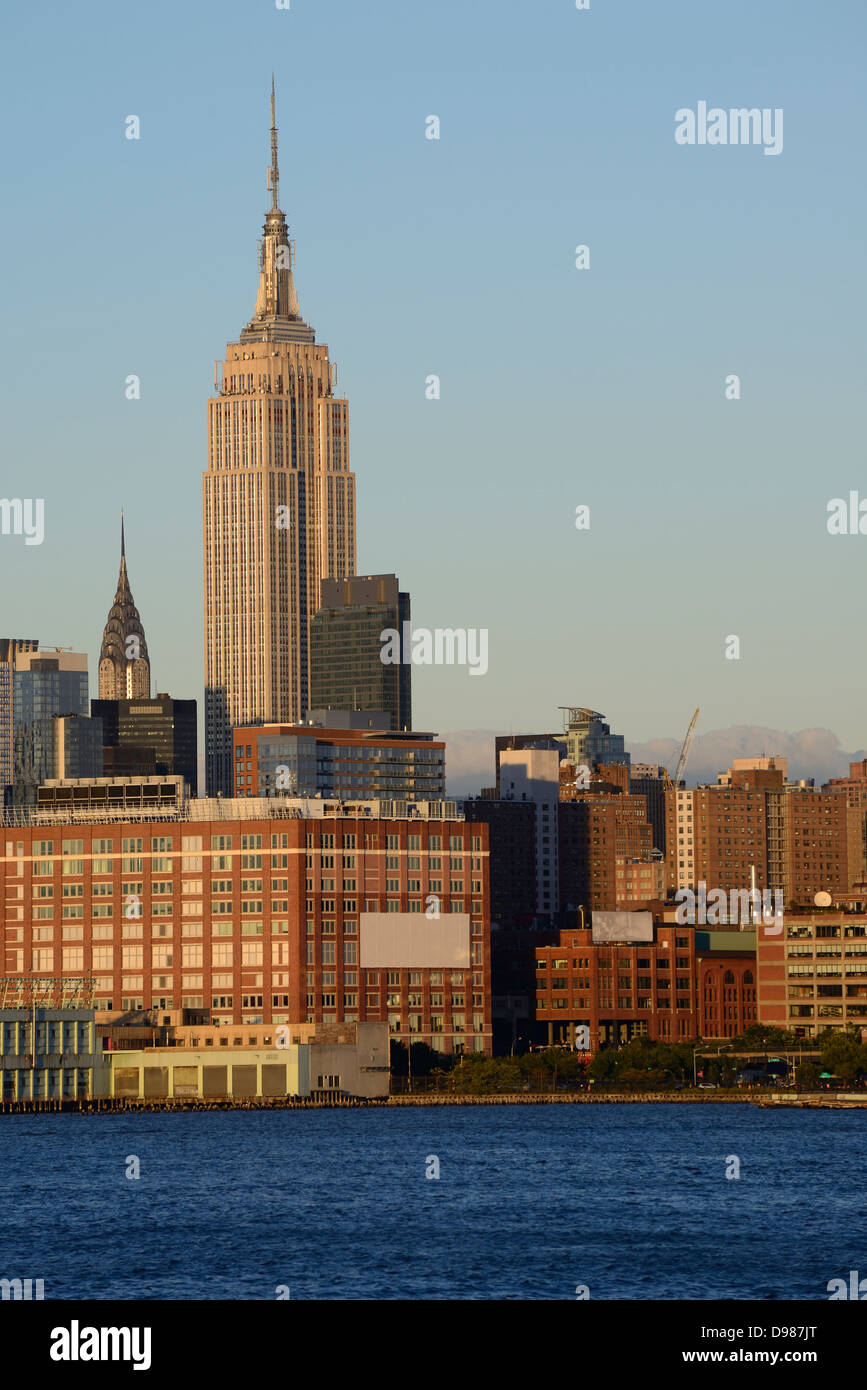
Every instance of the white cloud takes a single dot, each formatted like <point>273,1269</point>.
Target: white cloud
<point>470,761</point>
<point>811,752</point>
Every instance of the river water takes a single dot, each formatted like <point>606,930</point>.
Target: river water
<point>531,1202</point>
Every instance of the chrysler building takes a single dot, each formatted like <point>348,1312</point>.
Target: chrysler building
<point>124,665</point>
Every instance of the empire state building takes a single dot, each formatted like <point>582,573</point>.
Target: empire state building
<point>279,506</point>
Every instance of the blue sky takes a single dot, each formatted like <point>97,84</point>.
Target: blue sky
<point>456,257</point>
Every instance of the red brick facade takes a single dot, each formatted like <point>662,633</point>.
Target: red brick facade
<point>727,995</point>
<point>252,920</point>
<point>619,990</point>
<point>814,975</point>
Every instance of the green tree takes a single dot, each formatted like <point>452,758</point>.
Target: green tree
<point>604,1067</point>
<point>762,1036</point>
<point>844,1055</point>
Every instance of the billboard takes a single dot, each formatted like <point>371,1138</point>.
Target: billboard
<point>410,941</point>
<point>622,926</point>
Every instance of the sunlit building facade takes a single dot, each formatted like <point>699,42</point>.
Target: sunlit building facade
<point>279,506</point>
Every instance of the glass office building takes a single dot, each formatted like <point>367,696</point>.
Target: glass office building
<point>346,644</point>
<point>150,737</point>
<point>43,687</point>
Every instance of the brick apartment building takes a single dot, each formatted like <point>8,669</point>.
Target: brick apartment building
<point>854,789</point>
<point>796,840</point>
<point>256,917</point>
<point>596,832</point>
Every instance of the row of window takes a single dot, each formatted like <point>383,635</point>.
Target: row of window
<point>194,844</point>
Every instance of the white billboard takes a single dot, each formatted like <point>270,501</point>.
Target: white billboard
<point>411,941</point>
<point>622,926</point>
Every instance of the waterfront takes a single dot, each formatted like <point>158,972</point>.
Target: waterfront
<point>630,1200</point>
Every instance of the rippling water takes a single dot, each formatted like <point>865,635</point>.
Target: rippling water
<point>631,1200</point>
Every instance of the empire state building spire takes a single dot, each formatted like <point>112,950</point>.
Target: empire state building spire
<point>124,665</point>
<point>277,316</point>
<point>275,172</point>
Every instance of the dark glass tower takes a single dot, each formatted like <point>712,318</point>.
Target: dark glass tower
<point>149,737</point>
<point>47,686</point>
<point>346,645</point>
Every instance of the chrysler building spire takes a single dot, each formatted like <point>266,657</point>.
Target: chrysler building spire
<point>277,316</point>
<point>124,665</point>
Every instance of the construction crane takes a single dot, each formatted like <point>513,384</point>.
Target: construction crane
<point>671,784</point>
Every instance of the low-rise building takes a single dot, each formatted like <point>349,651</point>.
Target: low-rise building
<point>625,976</point>
<point>632,976</point>
<point>727,989</point>
<point>215,1063</point>
<point>48,1048</point>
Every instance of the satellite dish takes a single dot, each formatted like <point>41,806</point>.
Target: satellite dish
<point>822,899</point>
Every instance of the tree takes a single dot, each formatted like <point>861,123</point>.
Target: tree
<point>762,1036</point>
<point>604,1066</point>
<point>424,1059</point>
<point>844,1055</point>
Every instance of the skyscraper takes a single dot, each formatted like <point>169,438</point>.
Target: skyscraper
<point>45,684</point>
<point>149,737</point>
<point>346,667</point>
<point>278,502</point>
<point>124,665</point>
